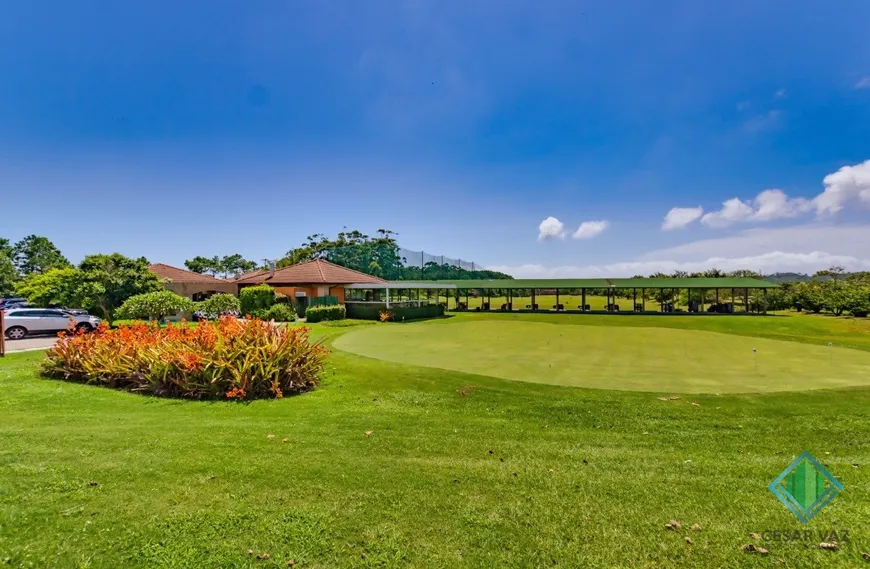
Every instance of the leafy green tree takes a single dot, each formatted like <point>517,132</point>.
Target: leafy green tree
<point>745,273</point>
<point>835,273</point>
<point>859,300</point>
<point>226,266</point>
<point>204,265</point>
<point>836,296</point>
<point>376,255</point>
<point>36,254</point>
<point>807,296</point>
<point>218,304</point>
<point>8,274</point>
<point>5,247</point>
<point>108,280</point>
<point>155,305</point>
<point>234,265</point>
<point>54,286</point>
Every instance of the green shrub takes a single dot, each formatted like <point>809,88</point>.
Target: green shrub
<point>279,313</point>
<point>398,313</point>
<point>231,358</point>
<point>218,304</point>
<point>321,313</point>
<point>256,298</point>
<point>155,305</point>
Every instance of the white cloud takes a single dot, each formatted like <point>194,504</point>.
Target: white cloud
<point>780,93</point>
<point>551,228</point>
<point>800,248</point>
<point>680,217</point>
<point>772,262</point>
<point>733,211</point>
<point>845,240</point>
<point>845,185</point>
<point>863,83</point>
<point>775,204</point>
<point>767,206</point>
<point>590,229</point>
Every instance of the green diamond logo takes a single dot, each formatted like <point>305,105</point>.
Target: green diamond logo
<point>805,487</point>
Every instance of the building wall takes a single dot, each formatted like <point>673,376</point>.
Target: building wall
<point>313,291</point>
<point>339,292</point>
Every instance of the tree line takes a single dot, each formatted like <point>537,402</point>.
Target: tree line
<point>377,255</point>
<point>35,268</point>
<point>223,267</point>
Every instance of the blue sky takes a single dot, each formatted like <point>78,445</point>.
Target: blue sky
<point>172,129</point>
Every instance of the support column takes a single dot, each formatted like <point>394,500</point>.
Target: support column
<point>746,297</point>
<point>533,299</point>
<point>643,299</point>
<point>634,302</point>
<point>765,302</point>
<point>583,300</point>
<point>388,297</point>
<point>557,300</point>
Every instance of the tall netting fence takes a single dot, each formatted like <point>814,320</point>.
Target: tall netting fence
<point>397,263</point>
<point>437,264</point>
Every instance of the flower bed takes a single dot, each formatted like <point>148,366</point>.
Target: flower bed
<point>229,358</point>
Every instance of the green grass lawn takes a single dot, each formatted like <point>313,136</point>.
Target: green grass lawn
<point>605,357</point>
<point>459,470</point>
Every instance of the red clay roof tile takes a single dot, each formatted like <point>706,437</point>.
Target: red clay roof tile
<point>316,271</point>
<point>177,275</point>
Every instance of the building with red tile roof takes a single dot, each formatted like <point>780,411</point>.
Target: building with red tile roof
<point>309,279</point>
<point>192,285</point>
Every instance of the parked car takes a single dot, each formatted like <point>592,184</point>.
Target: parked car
<point>8,302</point>
<point>75,311</point>
<point>21,322</point>
<point>12,305</point>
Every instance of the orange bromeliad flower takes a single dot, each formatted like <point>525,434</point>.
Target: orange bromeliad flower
<point>230,358</point>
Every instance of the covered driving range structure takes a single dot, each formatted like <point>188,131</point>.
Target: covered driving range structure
<point>632,291</point>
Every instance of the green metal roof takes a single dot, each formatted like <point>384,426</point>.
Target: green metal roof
<point>724,283</point>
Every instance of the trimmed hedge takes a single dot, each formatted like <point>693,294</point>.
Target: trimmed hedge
<point>281,312</point>
<point>256,298</point>
<point>321,313</point>
<point>372,312</point>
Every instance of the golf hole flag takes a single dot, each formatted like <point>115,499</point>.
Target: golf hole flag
<point>805,487</point>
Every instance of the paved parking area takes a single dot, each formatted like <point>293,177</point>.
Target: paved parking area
<point>35,343</point>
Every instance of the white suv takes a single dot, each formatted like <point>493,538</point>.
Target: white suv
<point>19,322</point>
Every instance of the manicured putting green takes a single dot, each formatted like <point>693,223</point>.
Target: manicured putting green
<point>603,357</point>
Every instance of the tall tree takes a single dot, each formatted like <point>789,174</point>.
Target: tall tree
<point>54,286</point>
<point>106,281</point>
<point>204,265</point>
<point>8,276</point>
<point>36,254</point>
<point>235,264</point>
<point>835,273</point>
